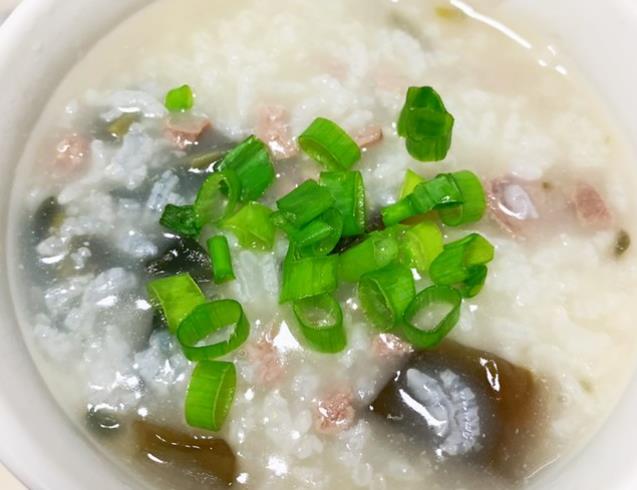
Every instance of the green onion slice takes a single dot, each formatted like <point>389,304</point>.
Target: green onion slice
<point>179,99</point>
<point>221,259</point>
<point>385,294</point>
<point>399,211</point>
<point>222,323</point>
<point>348,191</point>
<point>252,226</point>
<point>474,283</point>
<point>425,124</point>
<point>181,220</point>
<point>176,296</point>
<point>210,394</point>
<point>462,263</point>
<point>421,244</point>
<point>437,193</point>
<point>473,201</point>
<point>252,163</point>
<point>218,197</point>
<point>307,277</point>
<point>412,179</point>
<point>378,250</point>
<point>328,144</point>
<point>321,323</point>
<point>431,316</point>
<point>321,235</point>
<point>306,202</point>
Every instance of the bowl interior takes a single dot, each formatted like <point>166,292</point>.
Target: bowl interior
<point>38,45</point>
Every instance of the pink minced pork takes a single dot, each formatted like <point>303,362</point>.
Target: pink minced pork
<point>265,358</point>
<point>273,127</point>
<point>390,347</point>
<point>590,207</point>
<point>184,130</point>
<point>72,152</point>
<point>334,413</point>
<point>369,136</point>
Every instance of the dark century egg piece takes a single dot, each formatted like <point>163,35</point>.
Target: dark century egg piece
<point>465,405</point>
<point>179,451</point>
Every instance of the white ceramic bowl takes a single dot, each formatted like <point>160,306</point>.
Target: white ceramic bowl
<point>41,41</point>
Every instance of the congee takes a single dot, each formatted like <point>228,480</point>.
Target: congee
<point>350,244</point>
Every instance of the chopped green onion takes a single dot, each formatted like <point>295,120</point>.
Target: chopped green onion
<point>439,192</point>
<point>385,294</point>
<point>320,236</point>
<point>221,259</point>
<point>425,124</point>
<point>306,202</point>
<point>328,144</point>
<point>307,277</point>
<point>473,201</point>
<point>412,179</point>
<point>474,283</point>
<point>321,323</point>
<point>252,226</point>
<point>217,197</point>
<point>177,296</point>
<point>181,219</point>
<point>179,99</point>
<point>462,263</point>
<point>422,243</point>
<point>348,190</point>
<point>224,320</point>
<point>210,394</point>
<point>398,212</point>
<point>431,316</point>
<point>313,232</point>
<point>377,251</point>
<point>253,165</point>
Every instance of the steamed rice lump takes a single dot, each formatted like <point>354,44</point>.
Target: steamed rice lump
<point>535,361</point>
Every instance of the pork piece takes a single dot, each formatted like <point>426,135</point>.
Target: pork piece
<point>273,127</point>
<point>266,360</point>
<point>184,130</point>
<point>334,413</point>
<point>465,405</point>
<point>72,152</point>
<point>390,347</point>
<point>590,208</point>
<point>368,136</point>
<point>204,457</point>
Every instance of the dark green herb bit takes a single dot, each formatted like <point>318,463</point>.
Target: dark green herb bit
<point>181,220</point>
<point>622,243</point>
<point>49,215</point>
<point>426,125</point>
<point>120,126</point>
<point>179,99</point>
